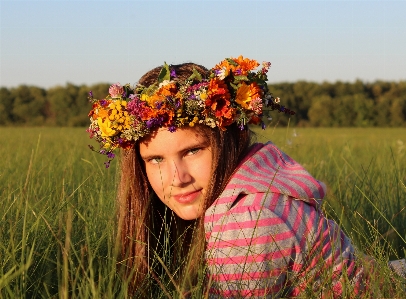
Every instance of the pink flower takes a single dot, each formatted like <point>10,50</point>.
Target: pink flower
<point>256,105</point>
<point>116,90</point>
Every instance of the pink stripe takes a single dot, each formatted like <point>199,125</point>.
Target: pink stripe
<point>268,257</point>
<point>255,223</point>
<point>246,241</point>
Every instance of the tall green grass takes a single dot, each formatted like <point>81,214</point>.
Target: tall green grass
<point>58,222</point>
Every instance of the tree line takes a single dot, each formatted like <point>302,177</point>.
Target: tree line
<point>339,104</point>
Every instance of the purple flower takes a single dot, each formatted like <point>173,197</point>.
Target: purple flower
<point>173,74</point>
<point>177,105</point>
<point>103,102</point>
<point>263,126</point>
<point>169,99</point>
<point>120,140</point>
<point>154,122</point>
<point>172,129</point>
<point>238,72</point>
<point>150,123</point>
<point>242,127</point>
<point>102,151</point>
<point>135,107</point>
<point>91,94</point>
<point>107,164</point>
<point>159,105</point>
<point>110,155</point>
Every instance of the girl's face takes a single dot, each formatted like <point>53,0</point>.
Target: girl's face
<point>178,167</point>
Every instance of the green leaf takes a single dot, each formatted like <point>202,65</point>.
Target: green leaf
<point>232,62</point>
<point>150,89</point>
<point>233,86</point>
<point>195,75</point>
<point>241,78</point>
<point>164,74</point>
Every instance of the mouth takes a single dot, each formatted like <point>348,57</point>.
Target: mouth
<point>187,197</point>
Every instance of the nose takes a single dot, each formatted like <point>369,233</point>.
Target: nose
<point>180,174</point>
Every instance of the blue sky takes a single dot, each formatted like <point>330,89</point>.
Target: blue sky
<point>49,43</point>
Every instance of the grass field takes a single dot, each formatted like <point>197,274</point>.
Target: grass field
<point>57,216</point>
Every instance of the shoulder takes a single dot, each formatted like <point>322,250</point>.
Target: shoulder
<point>268,169</point>
<point>262,215</point>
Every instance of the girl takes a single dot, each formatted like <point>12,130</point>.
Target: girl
<point>196,192</point>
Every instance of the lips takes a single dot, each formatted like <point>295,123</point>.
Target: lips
<point>187,197</point>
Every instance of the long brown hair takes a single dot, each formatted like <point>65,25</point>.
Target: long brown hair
<point>143,217</point>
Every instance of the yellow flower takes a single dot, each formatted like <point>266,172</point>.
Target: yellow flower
<point>144,97</point>
<point>105,127</point>
<point>203,96</point>
<point>246,93</point>
<point>194,121</point>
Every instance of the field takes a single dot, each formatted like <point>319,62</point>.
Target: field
<point>58,222</point>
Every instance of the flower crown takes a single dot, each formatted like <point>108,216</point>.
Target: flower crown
<point>232,93</point>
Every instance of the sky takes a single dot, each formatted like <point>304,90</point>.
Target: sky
<point>50,43</point>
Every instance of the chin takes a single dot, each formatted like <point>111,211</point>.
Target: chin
<point>189,215</point>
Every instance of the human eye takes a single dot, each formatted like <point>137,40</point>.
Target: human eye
<point>155,160</point>
<point>193,151</point>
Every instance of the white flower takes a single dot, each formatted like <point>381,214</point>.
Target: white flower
<point>163,83</point>
<point>221,73</point>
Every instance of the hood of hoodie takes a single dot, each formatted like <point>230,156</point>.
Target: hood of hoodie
<point>266,169</point>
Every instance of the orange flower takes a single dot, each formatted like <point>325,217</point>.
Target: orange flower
<point>245,64</point>
<point>218,101</point>
<point>166,113</point>
<point>103,113</point>
<point>148,113</point>
<point>246,93</point>
<point>167,89</point>
<point>218,95</point>
<point>161,94</point>
<point>225,67</point>
<point>227,119</point>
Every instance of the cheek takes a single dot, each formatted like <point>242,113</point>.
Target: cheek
<point>204,171</point>
<point>155,180</point>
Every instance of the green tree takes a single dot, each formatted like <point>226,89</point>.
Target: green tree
<point>382,111</point>
<point>364,109</point>
<point>6,104</point>
<point>82,108</point>
<point>398,112</point>
<point>29,105</point>
<point>63,104</point>
<point>343,112</point>
<point>321,111</point>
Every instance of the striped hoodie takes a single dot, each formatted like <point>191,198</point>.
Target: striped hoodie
<point>267,237</point>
